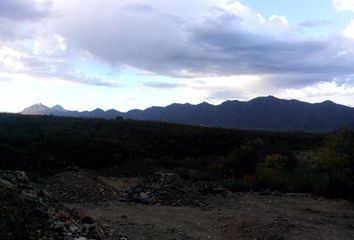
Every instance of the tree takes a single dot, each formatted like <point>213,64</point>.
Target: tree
<point>336,159</point>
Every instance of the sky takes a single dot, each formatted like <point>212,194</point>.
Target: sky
<point>127,54</point>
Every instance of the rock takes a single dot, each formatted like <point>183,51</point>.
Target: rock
<point>22,177</point>
<point>170,189</point>
<point>79,187</point>
<point>143,197</point>
<point>49,219</point>
<point>30,194</point>
<point>6,184</point>
<point>266,192</point>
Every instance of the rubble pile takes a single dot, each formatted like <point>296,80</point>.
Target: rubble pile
<point>170,189</point>
<point>27,212</point>
<point>80,187</point>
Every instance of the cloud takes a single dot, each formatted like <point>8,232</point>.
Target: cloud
<point>315,23</point>
<point>23,9</point>
<point>344,5</point>
<point>340,93</point>
<point>205,39</point>
<point>162,85</point>
<point>219,89</point>
<point>20,19</point>
<point>5,79</point>
<point>229,39</point>
<point>225,94</point>
<point>14,62</point>
<point>30,46</point>
<point>349,30</point>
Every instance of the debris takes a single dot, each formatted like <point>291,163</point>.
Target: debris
<point>79,187</point>
<point>170,189</point>
<point>28,212</point>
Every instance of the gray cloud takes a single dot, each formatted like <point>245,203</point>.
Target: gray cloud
<point>162,85</point>
<point>18,18</point>
<point>23,9</point>
<point>223,94</point>
<point>50,68</point>
<point>141,35</point>
<point>144,37</point>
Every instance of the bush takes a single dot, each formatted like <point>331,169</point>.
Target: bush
<point>244,159</point>
<point>272,172</point>
<point>336,161</point>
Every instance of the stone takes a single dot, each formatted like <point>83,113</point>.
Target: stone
<point>6,184</point>
<point>22,176</point>
<point>170,189</point>
<point>49,219</point>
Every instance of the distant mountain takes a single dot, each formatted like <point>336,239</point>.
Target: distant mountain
<point>57,110</point>
<point>37,109</point>
<point>263,113</point>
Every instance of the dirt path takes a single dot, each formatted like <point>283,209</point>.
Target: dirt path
<point>238,216</point>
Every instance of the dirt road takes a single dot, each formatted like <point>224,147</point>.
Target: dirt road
<point>237,216</point>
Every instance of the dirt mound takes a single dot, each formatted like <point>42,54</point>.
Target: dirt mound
<point>27,212</point>
<point>78,187</point>
<point>273,230</point>
<point>170,189</point>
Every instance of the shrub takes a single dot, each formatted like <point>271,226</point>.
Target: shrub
<point>336,160</point>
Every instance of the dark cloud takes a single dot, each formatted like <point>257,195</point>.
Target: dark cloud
<point>220,43</point>
<point>162,85</point>
<point>17,18</point>
<point>23,9</point>
<point>216,45</point>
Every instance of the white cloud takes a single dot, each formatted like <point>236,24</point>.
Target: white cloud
<point>206,38</point>
<point>349,30</point>
<point>49,44</point>
<point>232,50</point>
<point>10,59</point>
<point>228,39</point>
<point>339,93</point>
<point>344,5</point>
<point>281,19</point>
<point>218,89</point>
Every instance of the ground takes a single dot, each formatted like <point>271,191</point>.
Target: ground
<point>270,216</point>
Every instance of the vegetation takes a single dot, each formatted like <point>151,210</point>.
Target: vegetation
<point>243,160</point>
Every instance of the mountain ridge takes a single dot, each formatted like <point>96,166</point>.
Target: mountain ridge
<point>261,113</point>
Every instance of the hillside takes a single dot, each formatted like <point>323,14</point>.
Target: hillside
<point>242,159</point>
<point>49,141</point>
<point>120,179</point>
<point>263,113</point>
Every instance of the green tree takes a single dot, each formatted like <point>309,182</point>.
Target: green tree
<point>272,172</point>
<point>336,159</point>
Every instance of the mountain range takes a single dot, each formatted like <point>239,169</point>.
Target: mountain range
<point>262,113</point>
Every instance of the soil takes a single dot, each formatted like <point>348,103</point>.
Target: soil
<point>246,216</point>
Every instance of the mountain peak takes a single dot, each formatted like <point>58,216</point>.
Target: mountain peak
<point>36,109</point>
<point>262,113</point>
<point>264,99</point>
<point>98,110</point>
<point>206,104</point>
<point>328,102</point>
<point>58,108</point>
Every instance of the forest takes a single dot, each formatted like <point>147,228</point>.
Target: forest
<point>242,160</point>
